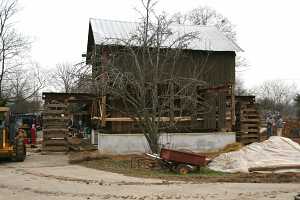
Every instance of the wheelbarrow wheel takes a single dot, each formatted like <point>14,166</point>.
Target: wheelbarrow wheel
<point>182,169</point>
<point>297,197</point>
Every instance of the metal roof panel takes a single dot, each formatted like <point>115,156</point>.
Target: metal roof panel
<point>208,37</point>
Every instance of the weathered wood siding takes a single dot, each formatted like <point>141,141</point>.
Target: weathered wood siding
<point>216,68</point>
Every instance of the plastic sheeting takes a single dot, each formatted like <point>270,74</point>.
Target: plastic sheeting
<point>272,152</point>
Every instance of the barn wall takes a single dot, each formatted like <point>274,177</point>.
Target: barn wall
<point>216,68</point>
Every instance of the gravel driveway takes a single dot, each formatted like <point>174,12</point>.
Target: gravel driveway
<point>51,177</point>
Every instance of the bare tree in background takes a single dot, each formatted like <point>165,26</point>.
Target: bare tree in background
<point>275,95</point>
<point>83,82</point>
<point>142,81</point>
<point>26,82</point>
<point>70,77</point>
<point>24,86</point>
<point>64,76</point>
<point>12,44</point>
<point>209,17</point>
<point>297,105</point>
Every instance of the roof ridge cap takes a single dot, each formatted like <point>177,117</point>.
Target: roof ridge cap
<point>112,20</point>
<point>171,24</point>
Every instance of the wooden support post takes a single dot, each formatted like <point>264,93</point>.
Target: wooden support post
<point>4,134</point>
<point>103,111</point>
<point>232,107</point>
<point>172,103</point>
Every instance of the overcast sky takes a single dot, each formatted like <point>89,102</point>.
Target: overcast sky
<point>267,30</point>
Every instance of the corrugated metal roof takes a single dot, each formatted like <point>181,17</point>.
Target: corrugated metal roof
<point>208,37</point>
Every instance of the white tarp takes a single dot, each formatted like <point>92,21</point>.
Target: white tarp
<point>272,152</point>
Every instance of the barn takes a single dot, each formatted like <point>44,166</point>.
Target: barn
<point>218,71</point>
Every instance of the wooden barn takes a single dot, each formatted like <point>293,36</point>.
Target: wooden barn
<point>218,71</point>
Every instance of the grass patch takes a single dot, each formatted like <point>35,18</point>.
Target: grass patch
<point>124,166</point>
<point>205,171</point>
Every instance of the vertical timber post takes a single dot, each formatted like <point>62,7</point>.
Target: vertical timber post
<point>172,106</point>
<point>104,62</point>
<point>103,111</point>
<point>232,108</point>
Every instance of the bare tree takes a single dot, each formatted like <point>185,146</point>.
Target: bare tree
<point>83,82</point>
<point>22,87</point>
<point>144,79</point>
<point>25,83</point>
<point>70,77</point>
<point>64,76</point>
<point>297,105</point>
<point>12,44</point>
<point>207,16</point>
<point>275,95</point>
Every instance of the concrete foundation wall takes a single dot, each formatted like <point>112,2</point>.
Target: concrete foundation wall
<point>137,144</point>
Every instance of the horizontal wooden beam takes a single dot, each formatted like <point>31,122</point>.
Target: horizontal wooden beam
<point>163,119</point>
<point>4,109</point>
<point>275,167</point>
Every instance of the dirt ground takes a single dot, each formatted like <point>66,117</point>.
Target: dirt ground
<point>51,177</point>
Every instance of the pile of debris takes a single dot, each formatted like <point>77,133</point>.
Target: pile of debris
<point>274,154</point>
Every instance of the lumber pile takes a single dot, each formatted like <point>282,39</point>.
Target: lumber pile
<point>55,130</point>
<point>247,120</point>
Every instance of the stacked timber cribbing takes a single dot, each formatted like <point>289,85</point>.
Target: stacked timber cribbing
<point>55,122</point>
<point>247,120</point>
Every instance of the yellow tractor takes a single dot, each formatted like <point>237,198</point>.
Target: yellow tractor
<point>11,143</point>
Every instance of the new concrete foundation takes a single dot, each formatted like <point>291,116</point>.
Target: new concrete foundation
<point>137,144</point>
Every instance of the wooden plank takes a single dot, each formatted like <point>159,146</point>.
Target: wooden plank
<point>54,125</point>
<point>250,115</point>
<point>249,110</point>
<point>56,105</point>
<point>55,135</point>
<point>4,109</point>
<point>55,118</point>
<point>274,168</point>
<point>163,119</point>
<point>54,148</point>
<point>243,135</point>
<point>55,142</point>
<point>250,126</point>
<point>54,113</point>
<point>250,130</point>
<point>249,120</point>
<point>56,130</point>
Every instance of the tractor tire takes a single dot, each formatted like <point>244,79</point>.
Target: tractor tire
<point>20,151</point>
<point>182,169</point>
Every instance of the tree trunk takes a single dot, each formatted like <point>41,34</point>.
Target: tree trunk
<point>2,70</point>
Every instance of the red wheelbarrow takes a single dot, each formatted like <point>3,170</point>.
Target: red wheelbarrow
<point>181,162</point>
